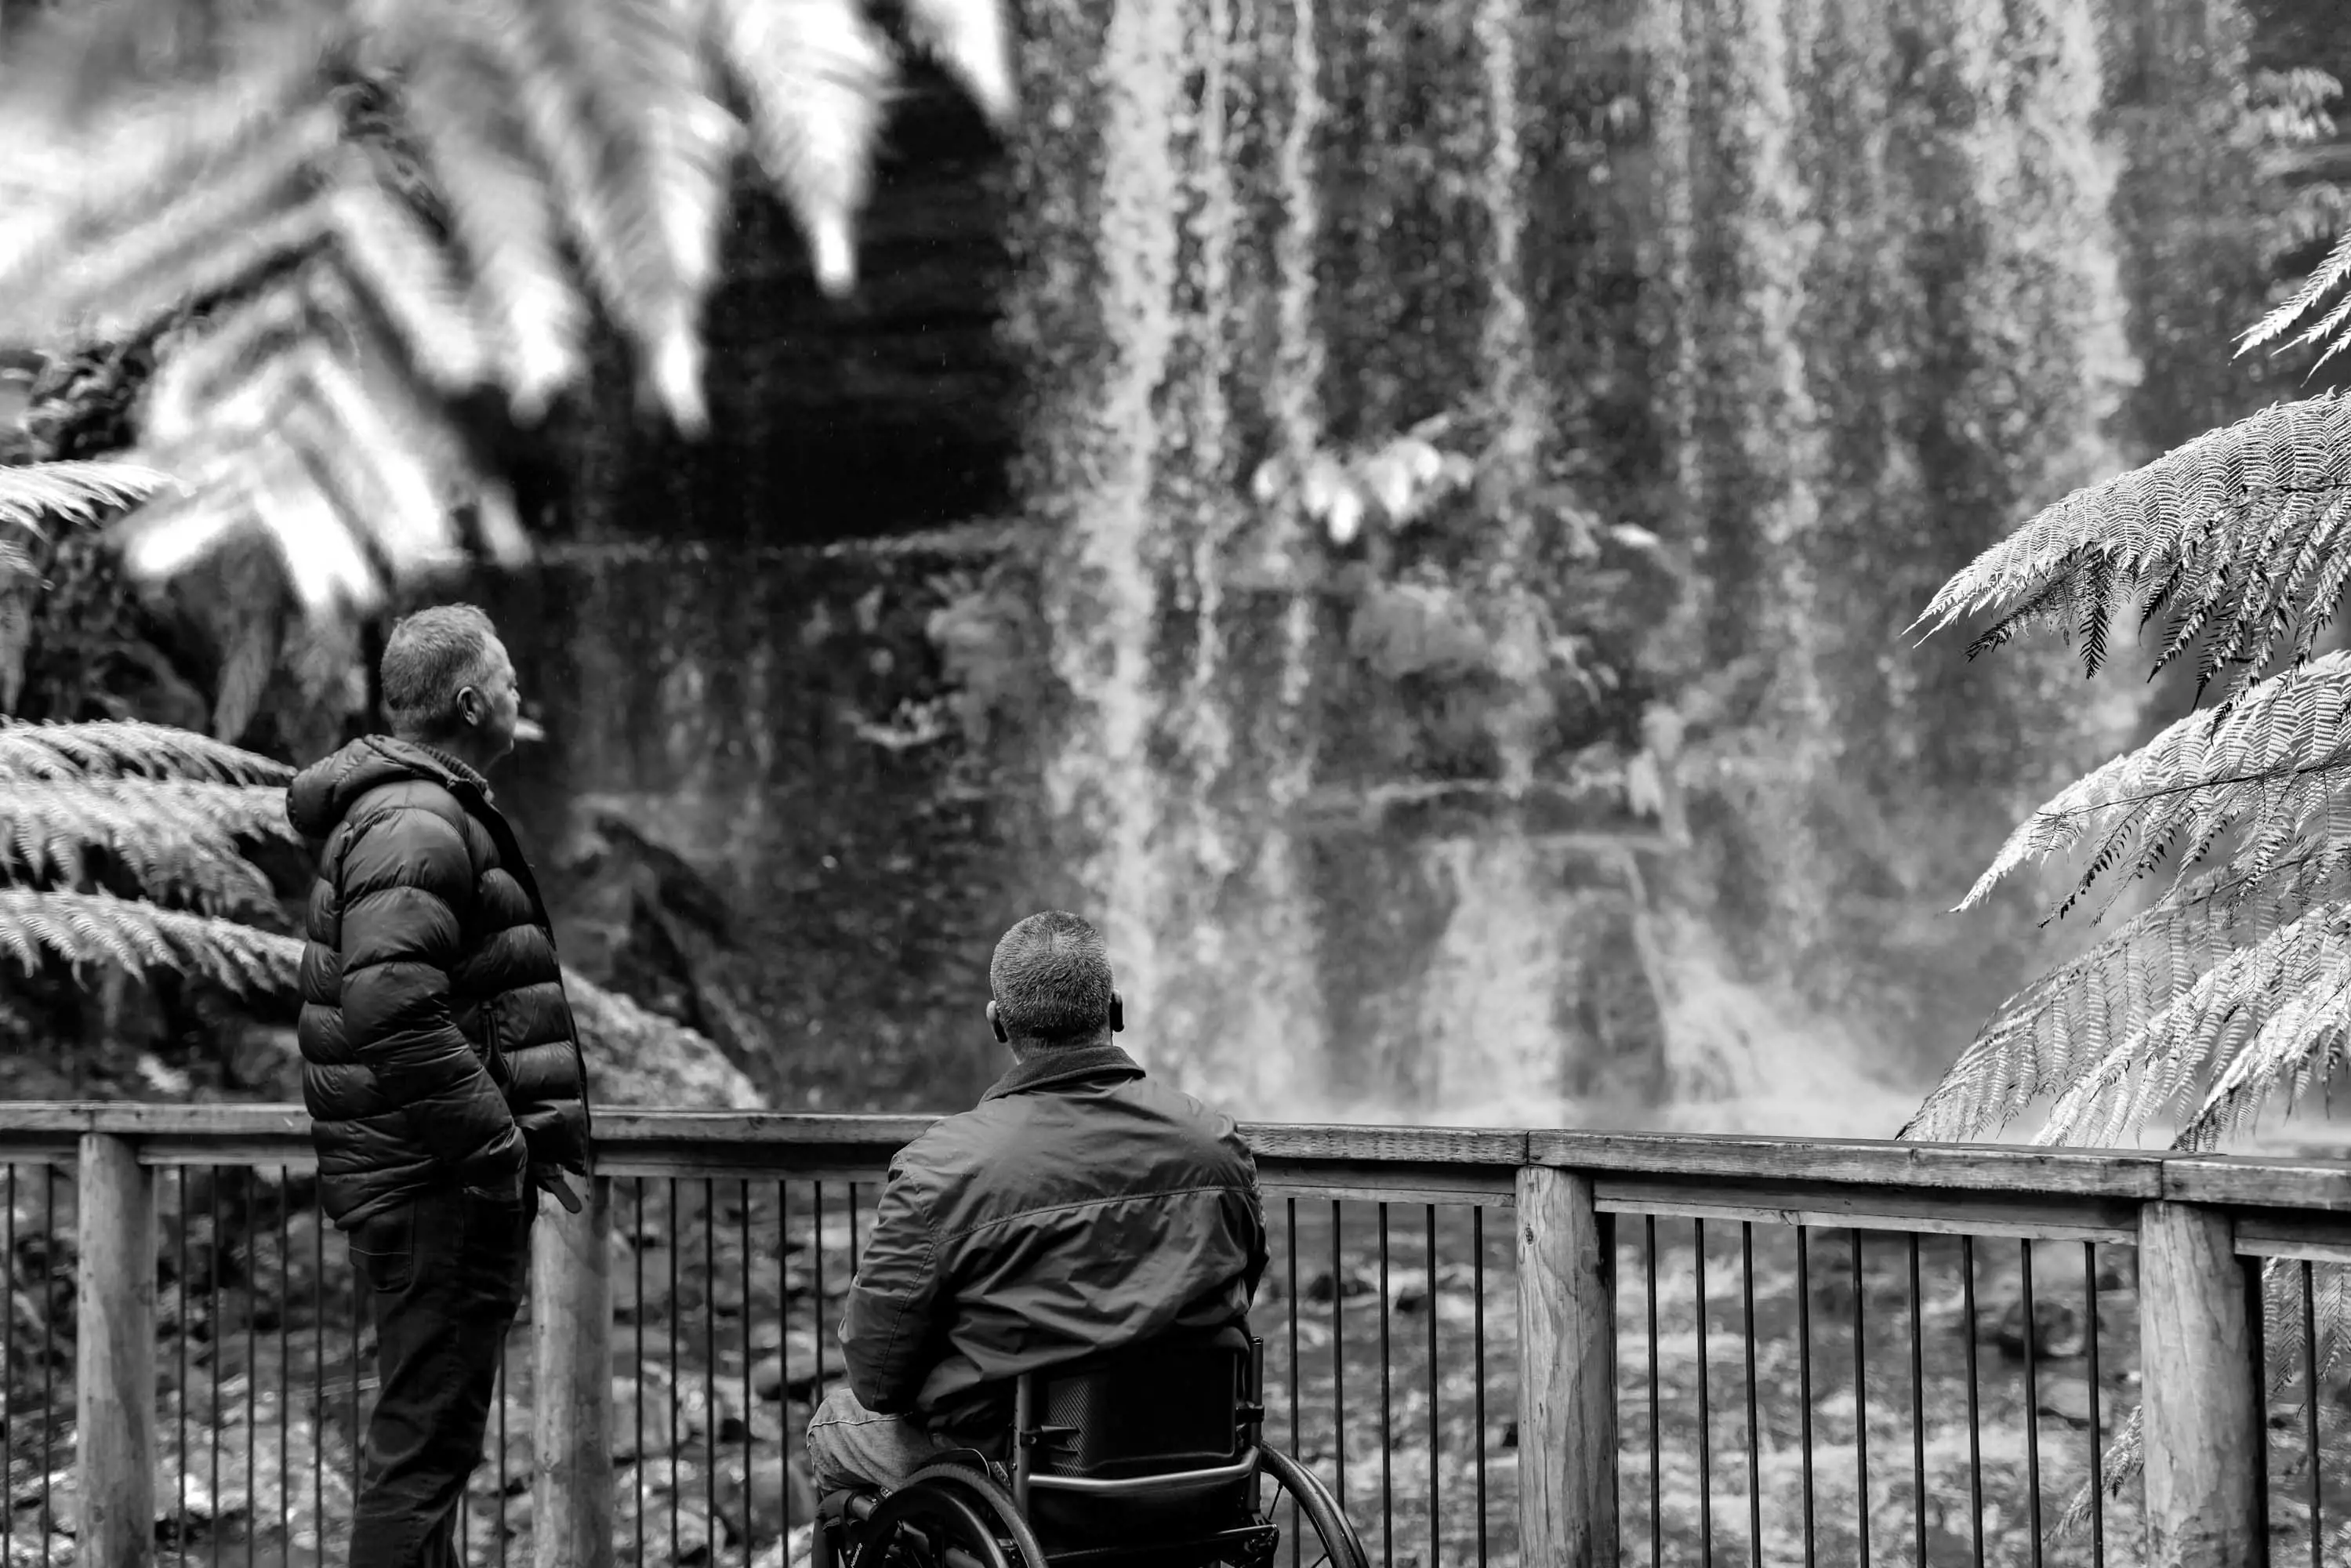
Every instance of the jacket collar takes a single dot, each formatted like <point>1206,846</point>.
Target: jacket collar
<point>1065,1069</point>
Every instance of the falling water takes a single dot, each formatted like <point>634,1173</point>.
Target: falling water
<point>1257,226</point>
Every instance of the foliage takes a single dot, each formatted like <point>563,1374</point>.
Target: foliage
<point>128,844</point>
<point>375,207</point>
<point>2235,985</point>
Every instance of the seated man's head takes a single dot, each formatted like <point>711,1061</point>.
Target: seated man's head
<point>1050,980</point>
<point>448,684</point>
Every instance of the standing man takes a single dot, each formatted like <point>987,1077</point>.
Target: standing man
<point>440,1064</point>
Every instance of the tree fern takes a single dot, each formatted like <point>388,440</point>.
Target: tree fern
<point>34,497</point>
<point>172,813</point>
<point>165,153</point>
<point>2235,987</point>
<point>2238,538</point>
<point>119,748</point>
<point>97,928</point>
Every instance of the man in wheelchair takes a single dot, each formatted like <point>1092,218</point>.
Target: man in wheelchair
<point>1082,1231</point>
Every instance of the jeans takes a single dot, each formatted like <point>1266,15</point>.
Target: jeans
<point>849,1445</point>
<point>446,1271</point>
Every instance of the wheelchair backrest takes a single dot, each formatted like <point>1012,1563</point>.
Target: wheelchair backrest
<point>1170,1404</point>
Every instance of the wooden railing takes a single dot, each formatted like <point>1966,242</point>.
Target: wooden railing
<point>2194,1221</point>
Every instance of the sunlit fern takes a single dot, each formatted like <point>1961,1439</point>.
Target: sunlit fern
<point>164,152</point>
<point>169,816</point>
<point>2235,987</point>
<point>36,500</point>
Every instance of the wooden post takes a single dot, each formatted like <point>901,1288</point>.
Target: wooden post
<point>114,1360</point>
<point>2198,1373</point>
<point>1567,1374</point>
<point>571,1392</point>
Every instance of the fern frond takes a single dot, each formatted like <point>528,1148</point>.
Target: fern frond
<point>132,934</point>
<point>2264,763</point>
<point>2205,1026</point>
<point>2038,1037</point>
<point>2331,275</point>
<point>38,493</point>
<point>814,74</point>
<point>2236,532</point>
<point>179,838</point>
<point>968,37</point>
<point>293,422</point>
<point>126,749</point>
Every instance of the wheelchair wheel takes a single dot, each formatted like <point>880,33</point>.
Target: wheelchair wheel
<point>948,1516</point>
<point>1320,1535</point>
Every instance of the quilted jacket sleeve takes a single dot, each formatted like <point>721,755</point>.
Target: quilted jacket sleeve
<point>893,1309</point>
<point>407,880</point>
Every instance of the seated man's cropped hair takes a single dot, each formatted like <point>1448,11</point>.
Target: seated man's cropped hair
<point>429,660</point>
<point>1051,980</point>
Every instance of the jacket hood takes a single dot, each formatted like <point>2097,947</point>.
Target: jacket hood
<point>323,794</point>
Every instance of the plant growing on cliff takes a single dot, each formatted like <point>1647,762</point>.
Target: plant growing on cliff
<point>2233,989</point>
<point>383,211</point>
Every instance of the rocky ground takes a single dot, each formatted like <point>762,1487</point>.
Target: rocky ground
<point>263,1368</point>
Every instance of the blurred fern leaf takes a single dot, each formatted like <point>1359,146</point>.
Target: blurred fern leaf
<point>360,269</point>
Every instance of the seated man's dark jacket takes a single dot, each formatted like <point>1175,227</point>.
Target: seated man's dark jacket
<point>438,1044</point>
<point>1079,1207</point>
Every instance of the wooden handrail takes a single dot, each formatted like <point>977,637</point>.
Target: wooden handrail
<point>783,1142</point>
<point>2194,1214</point>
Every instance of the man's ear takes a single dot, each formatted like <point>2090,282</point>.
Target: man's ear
<point>470,706</point>
<point>1117,1013</point>
<point>996,1027</point>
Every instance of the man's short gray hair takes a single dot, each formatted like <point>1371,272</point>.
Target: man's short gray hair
<point>430,657</point>
<point>1051,980</point>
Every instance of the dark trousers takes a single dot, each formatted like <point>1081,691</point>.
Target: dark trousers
<point>446,1271</point>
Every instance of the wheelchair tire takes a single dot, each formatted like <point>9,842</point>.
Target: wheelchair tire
<point>1317,1509</point>
<point>966,1518</point>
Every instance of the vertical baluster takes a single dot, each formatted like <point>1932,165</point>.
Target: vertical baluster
<point>212,1337</point>
<point>1754,1420</point>
<point>1387,1422</point>
<point>1804,1384</point>
<point>783,1360</point>
<point>784,1364</point>
<point>48,1341</point>
<point>2032,1409</point>
<point>1918,1405</point>
<point>1337,1360</point>
<point>676,1403</point>
<point>318,1368</point>
<point>1861,1392</point>
<point>816,1252</point>
<point>2310,1411</point>
<point>1657,1409</point>
<point>1435,1425</point>
<point>285,1356</point>
<point>252,1373</point>
<point>1705,1407</point>
<point>8,1371</point>
<point>1478,1354</point>
<point>1975,1422</point>
<point>637,1471</point>
<point>750,1398</point>
<point>180,1256</point>
<point>1297,1547</point>
<point>358,1433</point>
<point>710,1359</point>
<point>2097,1454</point>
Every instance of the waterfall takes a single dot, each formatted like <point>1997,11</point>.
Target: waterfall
<point>1824,292</point>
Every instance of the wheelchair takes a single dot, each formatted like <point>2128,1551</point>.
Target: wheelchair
<point>1148,1457</point>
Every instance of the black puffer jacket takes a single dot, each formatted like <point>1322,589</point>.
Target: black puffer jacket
<point>1078,1208</point>
<point>438,1044</point>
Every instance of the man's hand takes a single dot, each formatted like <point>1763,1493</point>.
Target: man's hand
<point>549,1178</point>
